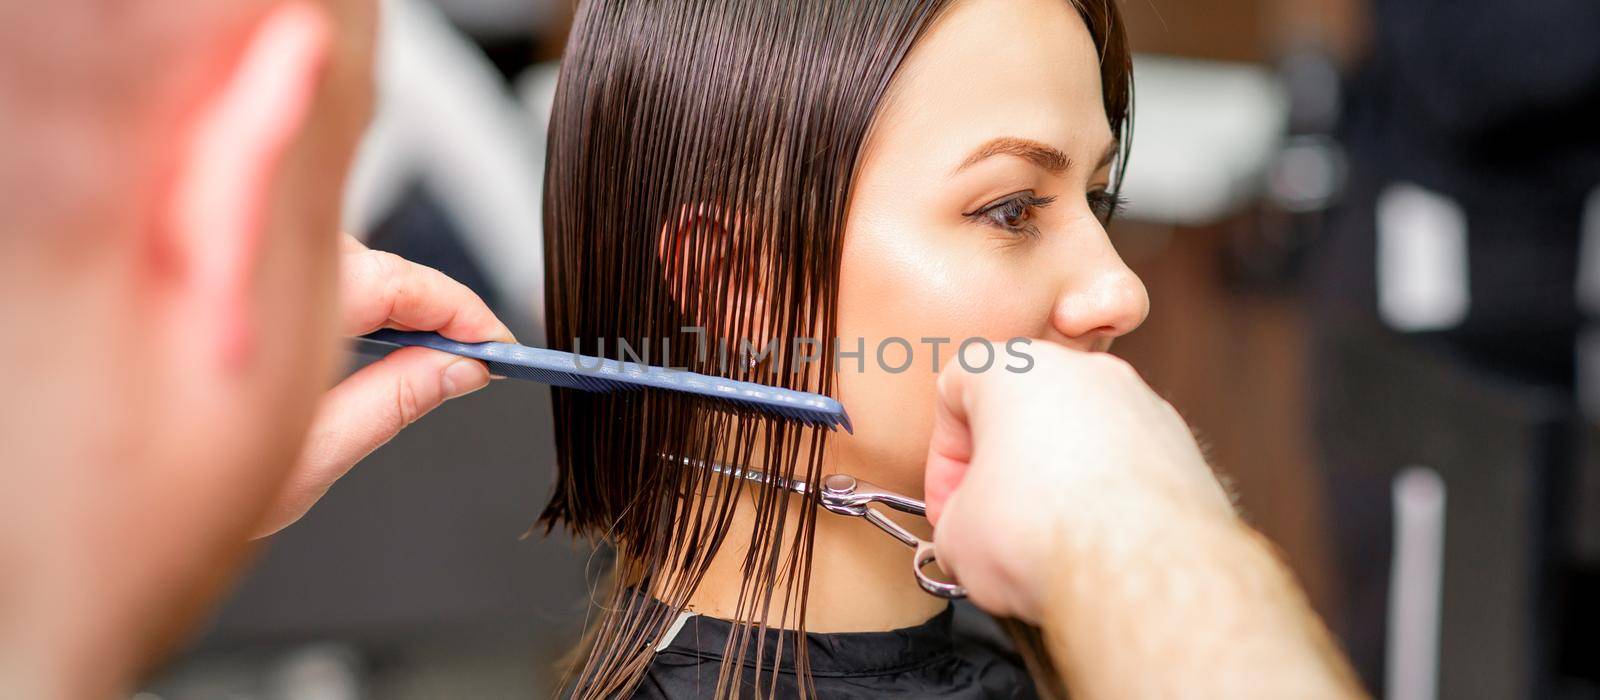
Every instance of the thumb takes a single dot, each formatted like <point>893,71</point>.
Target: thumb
<point>365,411</point>
<point>950,449</point>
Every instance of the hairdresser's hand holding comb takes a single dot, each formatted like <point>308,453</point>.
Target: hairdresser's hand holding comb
<point>367,409</point>
<point>1074,498</point>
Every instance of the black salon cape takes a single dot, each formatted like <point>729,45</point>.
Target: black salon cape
<point>960,653</point>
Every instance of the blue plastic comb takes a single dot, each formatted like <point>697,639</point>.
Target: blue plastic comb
<point>586,373</point>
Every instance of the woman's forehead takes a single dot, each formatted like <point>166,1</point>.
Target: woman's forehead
<point>988,68</point>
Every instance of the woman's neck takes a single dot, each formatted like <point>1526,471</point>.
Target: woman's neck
<point>861,578</point>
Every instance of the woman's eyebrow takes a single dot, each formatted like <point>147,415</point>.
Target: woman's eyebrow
<point>1045,156</point>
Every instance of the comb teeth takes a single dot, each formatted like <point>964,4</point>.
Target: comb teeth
<point>572,371</point>
<point>579,380</point>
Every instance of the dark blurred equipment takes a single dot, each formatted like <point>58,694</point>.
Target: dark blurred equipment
<point>1472,574</point>
<point>1472,127</point>
<point>1469,233</point>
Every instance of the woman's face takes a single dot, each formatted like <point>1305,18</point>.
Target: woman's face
<point>976,215</point>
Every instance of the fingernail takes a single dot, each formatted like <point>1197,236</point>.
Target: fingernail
<point>463,377</point>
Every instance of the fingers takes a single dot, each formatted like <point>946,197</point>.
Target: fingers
<point>380,289</point>
<point>950,448</point>
<point>365,411</point>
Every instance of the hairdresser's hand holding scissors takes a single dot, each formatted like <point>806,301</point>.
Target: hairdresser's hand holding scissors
<point>367,409</point>
<point>1073,497</point>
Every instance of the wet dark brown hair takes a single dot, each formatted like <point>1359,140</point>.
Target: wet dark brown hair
<point>699,172</point>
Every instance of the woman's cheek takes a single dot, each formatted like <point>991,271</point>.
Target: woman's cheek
<point>903,306</point>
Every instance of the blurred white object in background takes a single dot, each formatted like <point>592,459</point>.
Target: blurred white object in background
<point>444,117</point>
<point>1412,666</point>
<point>1422,259</point>
<point>1204,135</point>
<point>536,89</point>
<point>326,671</point>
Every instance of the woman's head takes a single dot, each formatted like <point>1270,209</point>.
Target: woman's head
<point>736,175</point>
<point>977,216</point>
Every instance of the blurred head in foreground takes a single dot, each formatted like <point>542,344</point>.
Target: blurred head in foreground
<point>168,227</point>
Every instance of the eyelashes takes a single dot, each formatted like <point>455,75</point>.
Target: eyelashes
<point>1106,204</point>
<point>1014,214</point>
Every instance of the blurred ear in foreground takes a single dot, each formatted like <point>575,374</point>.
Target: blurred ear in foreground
<point>230,161</point>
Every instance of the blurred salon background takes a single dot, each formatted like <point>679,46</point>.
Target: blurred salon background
<point>1371,234</point>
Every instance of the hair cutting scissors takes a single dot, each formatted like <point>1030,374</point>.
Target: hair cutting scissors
<point>847,495</point>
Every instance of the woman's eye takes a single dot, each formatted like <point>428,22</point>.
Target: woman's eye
<point>1013,214</point>
<point>1105,205</point>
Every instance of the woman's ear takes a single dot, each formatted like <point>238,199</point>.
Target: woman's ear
<point>710,265</point>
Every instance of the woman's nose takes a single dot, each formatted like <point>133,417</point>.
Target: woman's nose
<point>1108,304</point>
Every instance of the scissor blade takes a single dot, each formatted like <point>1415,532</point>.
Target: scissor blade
<point>752,475</point>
